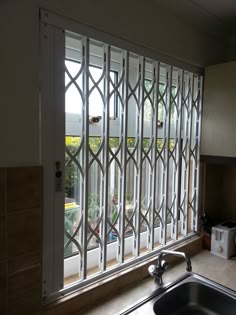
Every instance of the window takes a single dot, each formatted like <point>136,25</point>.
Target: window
<point>125,184</point>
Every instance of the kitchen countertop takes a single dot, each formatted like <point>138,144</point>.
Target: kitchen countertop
<point>215,268</point>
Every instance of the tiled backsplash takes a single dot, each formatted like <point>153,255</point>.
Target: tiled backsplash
<point>219,188</point>
<point>20,240</point>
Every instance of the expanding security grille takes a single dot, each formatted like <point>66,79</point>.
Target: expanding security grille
<point>123,131</point>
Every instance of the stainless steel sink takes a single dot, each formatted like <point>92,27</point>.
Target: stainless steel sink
<point>195,298</point>
<point>191,294</point>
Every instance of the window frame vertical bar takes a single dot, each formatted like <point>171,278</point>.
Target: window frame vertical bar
<point>167,142</point>
<point>183,193</point>
<point>154,151</point>
<point>47,152</point>
<point>85,130</point>
<point>194,226</point>
<point>140,153</point>
<point>178,156</point>
<point>191,83</point>
<point>123,122</point>
<point>59,151</point>
<point>106,153</point>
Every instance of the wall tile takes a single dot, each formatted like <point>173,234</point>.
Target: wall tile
<point>20,240</point>
<point>3,272</point>
<point>213,200</point>
<point>229,193</point>
<point>220,192</point>
<point>24,233</point>
<point>2,191</point>
<point>24,290</point>
<point>22,263</point>
<point>24,188</point>
<point>2,238</point>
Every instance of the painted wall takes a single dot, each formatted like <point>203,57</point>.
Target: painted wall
<point>141,22</point>
<point>219,111</point>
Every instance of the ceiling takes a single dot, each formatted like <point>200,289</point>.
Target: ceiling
<point>215,17</point>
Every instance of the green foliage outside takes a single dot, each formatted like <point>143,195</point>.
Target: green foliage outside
<point>72,181</point>
<point>73,143</point>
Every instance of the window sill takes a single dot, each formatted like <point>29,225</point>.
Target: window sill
<point>87,297</point>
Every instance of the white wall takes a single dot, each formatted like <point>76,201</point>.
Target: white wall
<point>219,111</point>
<point>141,22</point>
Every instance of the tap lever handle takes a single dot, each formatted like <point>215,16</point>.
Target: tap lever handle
<point>164,265</point>
<point>152,269</point>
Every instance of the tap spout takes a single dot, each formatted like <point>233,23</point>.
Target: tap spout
<point>161,266</point>
<point>177,254</point>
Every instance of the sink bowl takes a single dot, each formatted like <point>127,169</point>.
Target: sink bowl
<point>191,294</point>
<point>195,298</point>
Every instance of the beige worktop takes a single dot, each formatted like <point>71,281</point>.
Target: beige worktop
<point>215,268</point>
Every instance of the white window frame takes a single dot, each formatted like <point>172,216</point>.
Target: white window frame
<point>52,99</point>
